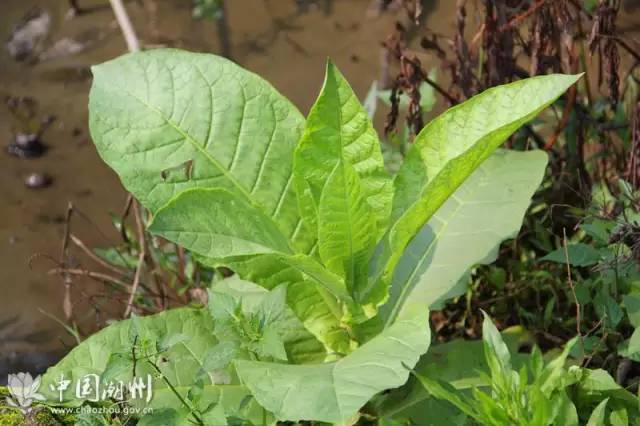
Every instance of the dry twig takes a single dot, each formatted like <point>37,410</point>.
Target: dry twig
<point>573,289</point>
<point>80,244</point>
<point>125,25</point>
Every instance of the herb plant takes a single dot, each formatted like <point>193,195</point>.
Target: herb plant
<point>537,393</point>
<point>337,262</point>
<point>602,259</point>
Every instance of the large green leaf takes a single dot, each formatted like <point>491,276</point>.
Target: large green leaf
<point>467,230</point>
<point>344,191</point>
<point>219,226</point>
<point>460,363</point>
<point>596,385</point>
<point>302,347</point>
<point>598,415</point>
<point>449,149</point>
<point>346,228</point>
<point>578,254</point>
<point>192,333</point>
<point>182,361</point>
<point>318,309</point>
<point>334,392</point>
<point>167,120</point>
<point>217,223</point>
<point>338,130</point>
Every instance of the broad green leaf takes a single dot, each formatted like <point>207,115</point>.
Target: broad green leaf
<point>189,220</point>
<point>467,230</point>
<point>632,306</point>
<point>596,386</point>
<point>608,308</point>
<point>219,356</point>
<point>334,392</point>
<point>494,347</point>
<point>171,340</point>
<point>579,255</point>
<point>598,229</point>
<point>619,417</point>
<point>271,345</point>
<point>165,416</point>
<point>273,305</point>
<point>565,410</point>
<point>318,274</point>
<point>316,308</point>
<point>167,120</point>
<point>339,130</point>
<point>346,228</point>
<point>598,414</point>
<point>217,224</point>
<point>633,347</point>
<point>450,148</point>
<point>215,416</point>
<point>459,363</point>
<point>180,365</point>
<point>301,346</point>
<point>344,191</point>
<point>117,365</point>
<point>444,391</point>
<point>454,144</point>
<point>222,306</point>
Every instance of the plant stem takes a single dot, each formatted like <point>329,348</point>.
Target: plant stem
<point>223,31</point>
<point>573,290</point>
<point>177,394</point>
<point>125,25</point>
<point>134,286</point>
<point>82,246</point>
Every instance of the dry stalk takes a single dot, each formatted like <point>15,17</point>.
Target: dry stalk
<point>81,245</point>
<point>67,306</point>
<point>125,25</point>
<point>134,286</point>
<point>99,276</point>
<point>141,256</point>
<point>573,289</point>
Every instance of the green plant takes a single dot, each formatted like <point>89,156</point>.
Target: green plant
<point>538,393</point>
<point>232,172</point>
<point>603,260</point>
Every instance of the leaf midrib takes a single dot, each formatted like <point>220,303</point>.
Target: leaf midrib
<point>218,165</point>
<point>341,164</point>
<point>195,144</point>
<point>351,259</point>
